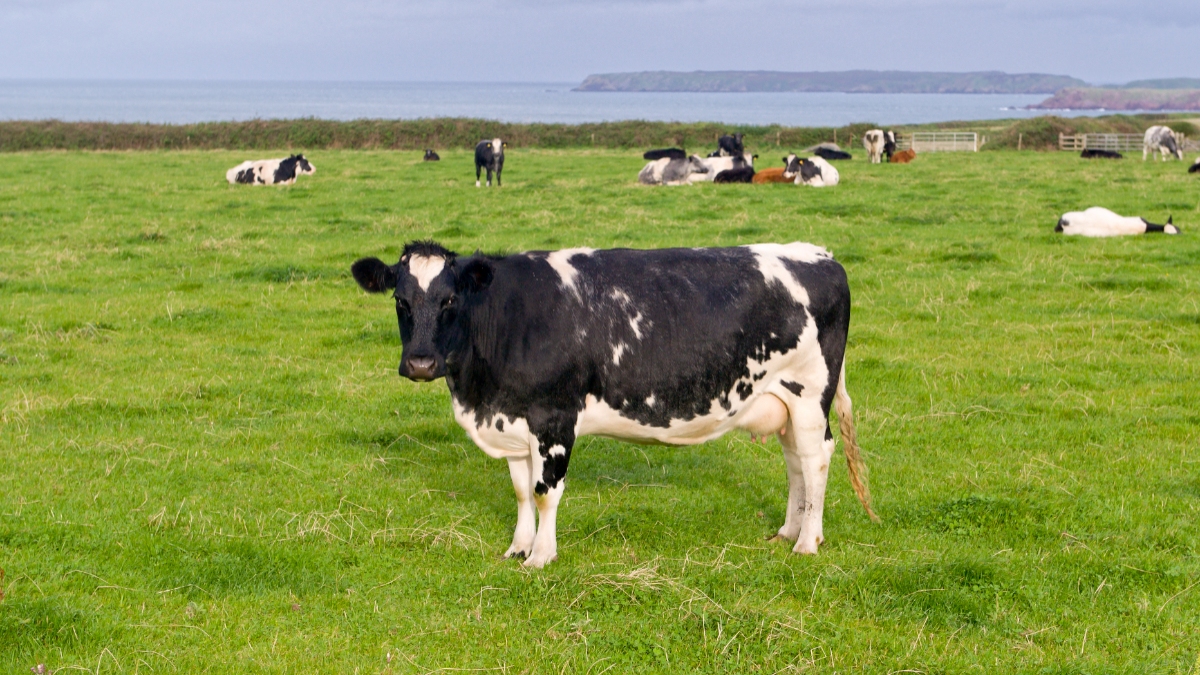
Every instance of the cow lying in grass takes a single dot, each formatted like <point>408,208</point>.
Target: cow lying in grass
<point>774,174</point>
<point>672,346</point>
<point>1195,167</point>
<point>282,171</point>
<point>670,166</point>
<point>1100,222</point>
<point>811,171</point>
<point>1097,153</point>
<point>718,165</point>
<point>903,157</point>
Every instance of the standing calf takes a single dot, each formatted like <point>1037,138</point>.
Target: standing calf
<point>489,155</point>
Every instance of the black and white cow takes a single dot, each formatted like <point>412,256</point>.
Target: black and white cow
<point>729,146</point>
<point>282,171</point>
<point>489,155</point>
<point>431,156</point>
<point>672,170</point>
<point>717,165</point>
<point>1195,167</point>
<point>1161,140</point>
<point>811,171</point>
<point>1100,222</point>
<point>665,153</point>
<point>1097,153</point>
<point>879,143</point>
<point>744,174</point>
<point>672,346</point>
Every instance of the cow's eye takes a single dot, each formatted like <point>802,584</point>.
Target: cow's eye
<point>402,305</point>
<point>448,303</point>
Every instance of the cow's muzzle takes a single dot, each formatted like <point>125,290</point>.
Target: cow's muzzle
<point>419,368</point>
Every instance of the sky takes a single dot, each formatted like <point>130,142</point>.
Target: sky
<point>1100,41</point>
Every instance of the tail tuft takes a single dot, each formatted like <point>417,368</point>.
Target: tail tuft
<point>858,469</point>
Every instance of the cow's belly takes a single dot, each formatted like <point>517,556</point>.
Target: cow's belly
<point>499,437</point>
<point>762,412</point>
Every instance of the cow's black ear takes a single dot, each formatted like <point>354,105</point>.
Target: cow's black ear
<point>374,275</point>
<point>475,276</point>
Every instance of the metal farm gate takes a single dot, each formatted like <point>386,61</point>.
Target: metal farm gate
<point>939,141</point>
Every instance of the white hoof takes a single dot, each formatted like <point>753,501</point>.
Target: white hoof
<point>517,551</point>
<point>539,560</point>
<point>807,546</point>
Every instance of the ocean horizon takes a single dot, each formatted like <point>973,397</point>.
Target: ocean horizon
<point>184,102</point>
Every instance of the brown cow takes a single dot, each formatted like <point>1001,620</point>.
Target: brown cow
<point>772,175</point>
<point>903,157</point>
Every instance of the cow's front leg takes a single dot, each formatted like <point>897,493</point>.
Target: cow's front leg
<point>554,435</point>
<point>521,469</point>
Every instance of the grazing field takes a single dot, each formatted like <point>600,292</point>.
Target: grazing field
<point>209,464</point>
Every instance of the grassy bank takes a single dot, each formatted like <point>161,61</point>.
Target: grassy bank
<point>441,133</point>
<point>209,464</point>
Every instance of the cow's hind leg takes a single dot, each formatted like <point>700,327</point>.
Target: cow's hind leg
<point>521,469</point>
<point>809,443</point>
<point>478,168</point>
<point>795,503</point>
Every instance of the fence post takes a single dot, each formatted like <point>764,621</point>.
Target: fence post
<point>1020,139</point>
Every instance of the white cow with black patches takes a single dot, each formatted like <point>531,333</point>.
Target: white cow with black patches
<point>674,346</point>
<point>282,171</point>
<point>1161,140</point>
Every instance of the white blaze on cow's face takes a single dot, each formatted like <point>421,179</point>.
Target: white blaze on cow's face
<point>425,269</point>
<point>497,147</point>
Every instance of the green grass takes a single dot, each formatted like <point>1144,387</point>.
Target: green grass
<point>209,464</point>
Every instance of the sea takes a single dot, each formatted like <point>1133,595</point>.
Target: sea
<point>180,102</point>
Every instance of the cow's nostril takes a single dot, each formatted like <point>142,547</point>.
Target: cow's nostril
<point>421,368</point>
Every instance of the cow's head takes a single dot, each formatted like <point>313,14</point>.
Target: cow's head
<point>791,164</point>
<point>431,286</point>
<point>1169,143</point>
<point>303,166</point>
<point>498,146</point>
<point>696,164</point>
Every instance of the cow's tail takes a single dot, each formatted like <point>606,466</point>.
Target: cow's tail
<point>858,470</point>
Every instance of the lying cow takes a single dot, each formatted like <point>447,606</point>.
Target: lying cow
<point>665,153</point>
<point>281,171</point>
<point>772,175</point>
<point>1100,222</point>
<point>879,143</point>
<point>1195,167</point>
<point>903,157</point>
<point>716,165</point>
<point>830,154</point>
<point>431,156</point>
<point>1160,140</point>
<point>489,155</point>
<point>743,174</point>
<point>1097,153</point>
<point>539,349</point>
<point>672,171</point>
<point>811,171</point>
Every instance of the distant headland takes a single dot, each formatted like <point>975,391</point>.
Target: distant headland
<point>849,81</point>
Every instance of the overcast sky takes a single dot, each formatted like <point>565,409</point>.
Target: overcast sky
<point>1101,41</point>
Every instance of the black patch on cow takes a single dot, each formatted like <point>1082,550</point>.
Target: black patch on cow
<point>743,174</point>
<point>1061,223</point>
<point>245,176</point>
<point>541,488</point>
<point>1096,153</point>
<point>794,387</point>
<point>664,153</point>
<point>808,170</point>
<point>832,155</point>
<point>1151,227</point>
<point>828,433</point>
<point>499,425</point>
<point>1195,168</point>
<point>744,389</point>
<point>760,376</point>
<point>287,169</point>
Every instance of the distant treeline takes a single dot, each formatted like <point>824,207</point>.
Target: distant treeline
<point>1040,133</point>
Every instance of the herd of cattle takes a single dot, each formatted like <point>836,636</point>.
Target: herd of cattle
<point>732,163</point>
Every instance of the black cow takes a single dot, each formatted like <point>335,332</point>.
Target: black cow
<point>729,146</point>
<point>664,153</point>
<point>489,155</point>
<point>1096,153</point>
<point>741,174</point>
<point>835,155</point>
<point>431,156</point>
<point>672,346</point>
<point>1195,167</point>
